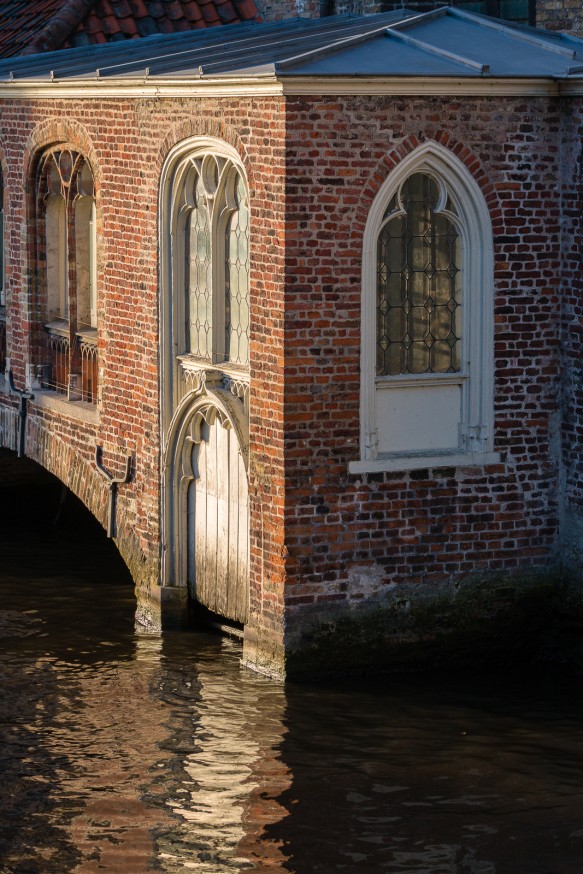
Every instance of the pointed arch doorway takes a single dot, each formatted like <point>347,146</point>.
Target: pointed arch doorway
<point>217,527</point>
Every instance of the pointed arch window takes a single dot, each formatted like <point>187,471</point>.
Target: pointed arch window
<point>427,320</point>
<point>67,216</point>
<point>213,233</point>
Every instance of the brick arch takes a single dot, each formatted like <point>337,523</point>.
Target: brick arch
<point>460,150</point>
<point>205,127</point>
<point>57,457</point>
<point>77,471</point>
<point>66,132</point>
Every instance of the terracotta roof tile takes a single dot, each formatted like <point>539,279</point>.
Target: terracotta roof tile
<point>247,10</point>
<point>156,8</point>
<point>165,26</point>
<point>173,9</point>
<point>128,26</point>
<point>103,8</point>
<point>110,25</point>
<point>121,8</point>
<point>146,26</point>
<point>226,11</point>
<point>139,8</point>
<point>192,12</point>
<point>28,26</point>
<point>92,24</point>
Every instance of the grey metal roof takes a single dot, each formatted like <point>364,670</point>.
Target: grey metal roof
<point>445,42</point>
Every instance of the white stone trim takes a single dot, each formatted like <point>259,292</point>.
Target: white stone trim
<point>81,411</point>
<point>478,328</point>
<point>171,266</point>
<point>204,382</point>
<point>412,462</point>
<point>269,85</point>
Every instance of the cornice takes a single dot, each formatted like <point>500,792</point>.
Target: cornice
<point>137,88</point>
<point>420,86</point>
<point>254,86</point>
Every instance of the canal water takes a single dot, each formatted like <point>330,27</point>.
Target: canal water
<point>128,752</point>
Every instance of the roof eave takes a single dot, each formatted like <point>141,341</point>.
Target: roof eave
<point>296,84</point>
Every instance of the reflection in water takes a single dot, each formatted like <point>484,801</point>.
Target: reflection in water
<point>130,753</point>
<point>227,786</point>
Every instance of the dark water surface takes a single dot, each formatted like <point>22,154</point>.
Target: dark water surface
<point>122,752</point>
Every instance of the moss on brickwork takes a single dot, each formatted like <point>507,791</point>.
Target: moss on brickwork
<point>263,649</point>
<point>480,621</point>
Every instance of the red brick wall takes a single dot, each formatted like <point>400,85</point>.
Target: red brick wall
<point>332,538</point>
<point>572,336</point>
<point>126,143</point>
<point>349,537</point>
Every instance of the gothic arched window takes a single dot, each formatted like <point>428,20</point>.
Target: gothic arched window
<point>213,232</point>
<point>67,210</point>
<point>427,319</point>
<point>419,282</point>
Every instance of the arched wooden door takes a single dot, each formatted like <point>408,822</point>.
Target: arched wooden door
<point>217,522</point>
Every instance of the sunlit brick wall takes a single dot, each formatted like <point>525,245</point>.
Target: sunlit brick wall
<point>126,142</point>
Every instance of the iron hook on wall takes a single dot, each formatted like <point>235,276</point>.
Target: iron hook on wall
<point>23,396</point>
<point>113,483</point>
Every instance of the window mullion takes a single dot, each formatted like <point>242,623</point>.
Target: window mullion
<point>219,287</point>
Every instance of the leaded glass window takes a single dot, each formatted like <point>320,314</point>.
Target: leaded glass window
<point>419,282</point>
<point>237,279</point>
<point>67,214</point>
<point>216,252</point>
<point>199,317</point>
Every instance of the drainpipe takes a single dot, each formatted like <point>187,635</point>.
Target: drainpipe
<point>112,484</point>
<point>24,396</point>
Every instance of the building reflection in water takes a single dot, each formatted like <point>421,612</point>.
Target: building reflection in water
<point>124,753</point>
<point>227,792</point>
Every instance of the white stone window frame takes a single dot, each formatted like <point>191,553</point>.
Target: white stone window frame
<point>190,385</point>
<point>69,217</point>
<point>176,170</point>
<point>225,206</point>
<point>475,447</point>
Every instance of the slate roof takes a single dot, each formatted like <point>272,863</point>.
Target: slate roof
<point>30,26</point>
<point>446,42</point>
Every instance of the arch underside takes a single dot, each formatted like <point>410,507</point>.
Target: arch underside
<point>80,476</point>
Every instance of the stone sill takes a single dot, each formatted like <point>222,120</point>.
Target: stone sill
<point>215,370</point>
<point>79,410</point>
<point>417,462</point>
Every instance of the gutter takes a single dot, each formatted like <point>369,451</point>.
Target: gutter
<point>270,84</point>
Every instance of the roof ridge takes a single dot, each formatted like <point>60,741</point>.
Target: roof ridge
<point>61,25</point>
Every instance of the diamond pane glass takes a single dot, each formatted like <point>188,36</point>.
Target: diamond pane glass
<point>418,285</point>
<point>237,280</point>
<point>198,274</point>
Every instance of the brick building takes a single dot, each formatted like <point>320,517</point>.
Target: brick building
<point>320,281</point>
